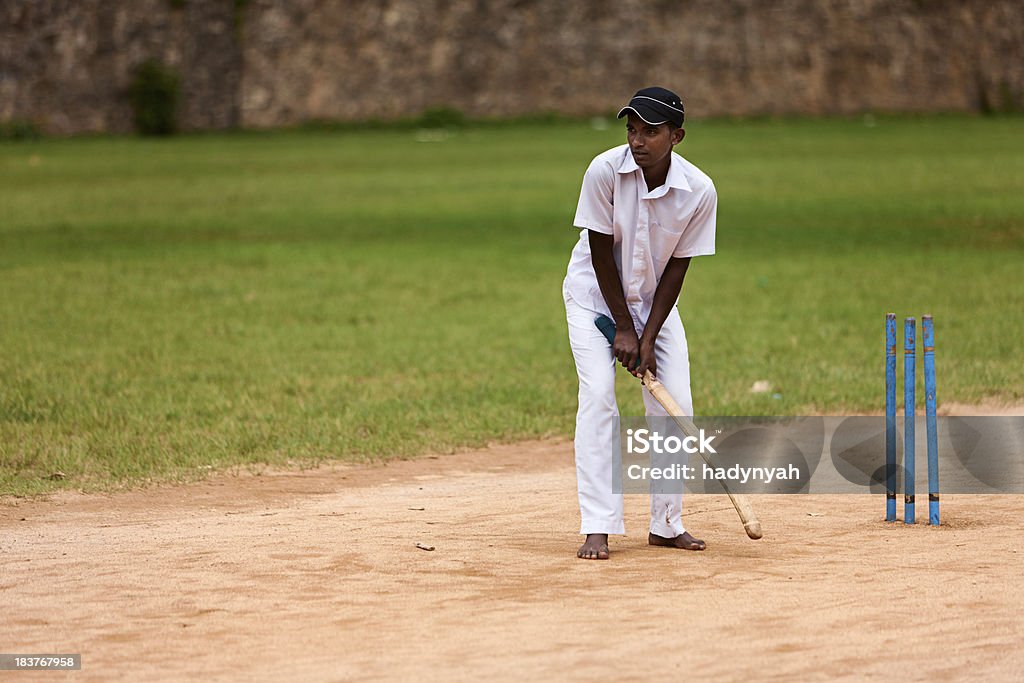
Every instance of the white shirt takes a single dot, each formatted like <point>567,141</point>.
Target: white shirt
<point>674,220</point>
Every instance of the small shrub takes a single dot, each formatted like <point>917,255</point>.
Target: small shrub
<point>441,117</point>
<point>1009,99</point>
<point>19,129</point>
<point>154,97</point>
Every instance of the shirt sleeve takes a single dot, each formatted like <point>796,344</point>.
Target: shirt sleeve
<point>594,211</point>
<point>698,239</point>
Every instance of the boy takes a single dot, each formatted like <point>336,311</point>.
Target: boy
<point>644,211</point>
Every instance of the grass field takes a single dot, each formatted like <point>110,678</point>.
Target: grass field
<point>172,306</point>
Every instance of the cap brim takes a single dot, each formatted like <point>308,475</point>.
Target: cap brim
<point>649,116</point>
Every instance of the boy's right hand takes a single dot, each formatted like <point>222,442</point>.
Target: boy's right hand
<point>626,348</point>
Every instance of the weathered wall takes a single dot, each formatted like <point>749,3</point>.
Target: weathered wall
<point>66,64</point>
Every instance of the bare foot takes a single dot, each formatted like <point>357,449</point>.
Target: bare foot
<point>683,540</point>
<point>594,548</point>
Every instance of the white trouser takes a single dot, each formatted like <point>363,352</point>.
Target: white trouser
<point>600,507</point>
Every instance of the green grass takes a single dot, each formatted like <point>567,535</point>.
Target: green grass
<point>171,306</point>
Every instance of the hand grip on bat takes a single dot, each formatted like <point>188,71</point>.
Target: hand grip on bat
<point>607,327</point>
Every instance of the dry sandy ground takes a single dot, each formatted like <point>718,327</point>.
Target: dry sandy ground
<point>315,576</point>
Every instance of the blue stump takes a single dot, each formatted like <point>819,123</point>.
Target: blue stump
<point>909,379</point>
<point>928,332</point>
<point>890,417</point>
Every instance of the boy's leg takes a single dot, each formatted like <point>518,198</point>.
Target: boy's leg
<point>600,508</point>
<point>673,367</point>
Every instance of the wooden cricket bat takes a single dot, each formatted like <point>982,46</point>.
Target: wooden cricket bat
<point>742,504</point>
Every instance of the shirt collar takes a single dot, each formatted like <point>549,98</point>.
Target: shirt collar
<point>676,176</point>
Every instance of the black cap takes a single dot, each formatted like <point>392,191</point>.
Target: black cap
<point>655,106</point>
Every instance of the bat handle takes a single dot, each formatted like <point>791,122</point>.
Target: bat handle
<point>607,327</point>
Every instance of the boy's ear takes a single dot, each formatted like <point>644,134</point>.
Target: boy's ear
<point>677,136</point>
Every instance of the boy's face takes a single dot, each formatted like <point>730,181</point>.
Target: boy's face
<point>649,144</point>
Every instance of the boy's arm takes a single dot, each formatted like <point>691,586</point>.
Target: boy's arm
<point>665,297</point>
<point>626,347</point>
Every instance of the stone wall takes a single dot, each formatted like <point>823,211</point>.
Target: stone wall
<point>66,64</point>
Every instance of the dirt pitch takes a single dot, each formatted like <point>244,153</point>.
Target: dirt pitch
<point>315,576</point>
